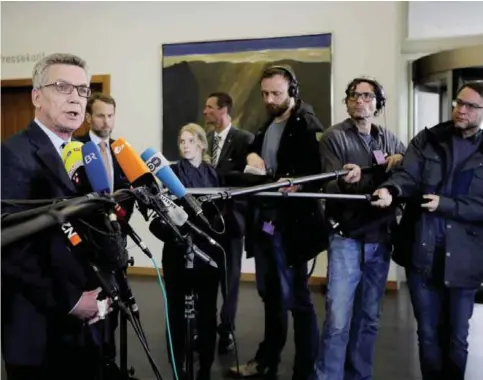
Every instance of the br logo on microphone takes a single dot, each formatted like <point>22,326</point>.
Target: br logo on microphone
<point>154,164</point>
<point>89,158</point>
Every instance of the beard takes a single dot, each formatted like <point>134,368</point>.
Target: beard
<point>276,110</point>
<point>468,129</point>
<point>102,133</point>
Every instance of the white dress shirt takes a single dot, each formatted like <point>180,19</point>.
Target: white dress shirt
<point>57,142</point>
<point>221,140</point>
<point>97,140</point>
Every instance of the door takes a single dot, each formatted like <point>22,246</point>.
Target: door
<point>18,110</point>
<point>436,79</point>
<point>432,101</point>
<point>461,76</point>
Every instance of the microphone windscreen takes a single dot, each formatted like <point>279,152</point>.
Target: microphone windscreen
<point>72,157</point>
<point>131,164</point>
<point>95,168</point>
<point>160,229</point>
<point>159,166</point>
<point>74,166</point>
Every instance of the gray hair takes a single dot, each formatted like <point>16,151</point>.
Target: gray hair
<point>39,75</point>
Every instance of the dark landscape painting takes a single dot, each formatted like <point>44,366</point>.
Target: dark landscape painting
<point>191,71</point>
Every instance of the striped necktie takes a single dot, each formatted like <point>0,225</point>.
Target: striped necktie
<point>105,158</point>
<point>214,151</point>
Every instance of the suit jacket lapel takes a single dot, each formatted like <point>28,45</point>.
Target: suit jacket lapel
<point>49,156</point>
<point>226,144</point>
<point>118,173</point>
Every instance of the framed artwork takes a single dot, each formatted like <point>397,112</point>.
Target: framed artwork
<point>191,71</point>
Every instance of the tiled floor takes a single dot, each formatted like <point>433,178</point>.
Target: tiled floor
<point>396,348</point>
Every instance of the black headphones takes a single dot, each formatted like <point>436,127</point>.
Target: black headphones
<point>378,90</point>
<point>293,87</point>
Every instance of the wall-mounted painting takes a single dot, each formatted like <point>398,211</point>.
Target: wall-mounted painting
<point>191,71</point>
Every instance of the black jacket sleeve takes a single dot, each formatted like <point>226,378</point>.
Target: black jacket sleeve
<point>405,179</point>
<point>29,263</point>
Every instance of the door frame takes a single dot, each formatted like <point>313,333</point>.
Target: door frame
<point>103,79</point>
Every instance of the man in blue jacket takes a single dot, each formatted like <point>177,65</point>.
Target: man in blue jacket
<point>440,238</point>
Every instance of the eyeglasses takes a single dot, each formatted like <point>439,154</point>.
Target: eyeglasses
<point>471,106</point>
<point>67,88</point>
<point>366,96</point>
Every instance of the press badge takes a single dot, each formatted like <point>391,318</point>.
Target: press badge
<point>269,228</point>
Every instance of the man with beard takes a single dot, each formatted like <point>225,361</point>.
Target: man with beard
<point>439,241</point>
<point>283,235</point>
<point>360,249</point>
<point>101,116</point>
<point>228,146</point>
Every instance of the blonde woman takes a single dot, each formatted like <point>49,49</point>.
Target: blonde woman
<point>193,170</point>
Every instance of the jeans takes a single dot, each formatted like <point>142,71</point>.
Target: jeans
<point>356,275</point>
<point>443,316</point>
<point>284,288</point>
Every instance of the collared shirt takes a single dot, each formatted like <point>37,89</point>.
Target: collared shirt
<point>97,140</point>
<point>221,140</point>
<point>57,141</point>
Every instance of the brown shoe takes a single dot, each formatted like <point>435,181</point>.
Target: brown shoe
<point>250,369</point>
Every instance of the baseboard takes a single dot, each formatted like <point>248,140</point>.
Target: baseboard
<point>245,277</point>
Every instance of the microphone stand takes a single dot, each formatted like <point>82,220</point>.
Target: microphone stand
<point>189,308</point>
<point>277,185</point>
<point>128,297</point>
<point>351,197</point>
<point>189,301</point>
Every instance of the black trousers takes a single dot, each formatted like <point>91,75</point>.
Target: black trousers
<point>234,251</point>
<point>72,356</point>
<point>178,281</point>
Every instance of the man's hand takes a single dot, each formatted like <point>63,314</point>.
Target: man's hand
<point>288,189</point>
<point>86,308</point>
<point>432,205</point>
<point>256,161</point>
<point>354,175</point>
<point>385,198</point>
<point>392,161</point>
<point>107,309</point>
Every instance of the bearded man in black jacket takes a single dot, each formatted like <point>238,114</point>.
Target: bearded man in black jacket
<point>282,235</point>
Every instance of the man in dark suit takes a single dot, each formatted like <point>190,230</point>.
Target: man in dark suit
<point>228,146</point>
<point>49,295</point>
<point>101,116</point>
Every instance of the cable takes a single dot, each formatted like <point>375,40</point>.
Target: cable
<point>168,325</point>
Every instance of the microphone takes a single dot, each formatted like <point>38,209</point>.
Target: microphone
<point>74,165</point>
<point>159,228</point>
<point>138,174</point>
<point>99,179</point>
<point>135,169</point>
<point>159,166</point>
<point>95,169</point>
<point>180,218</point>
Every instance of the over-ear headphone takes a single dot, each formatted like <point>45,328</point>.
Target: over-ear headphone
<point>293,87</point>
<point>378,91</point>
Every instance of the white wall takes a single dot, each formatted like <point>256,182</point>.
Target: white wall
<point>437,19</point>
<point>124,40</point>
